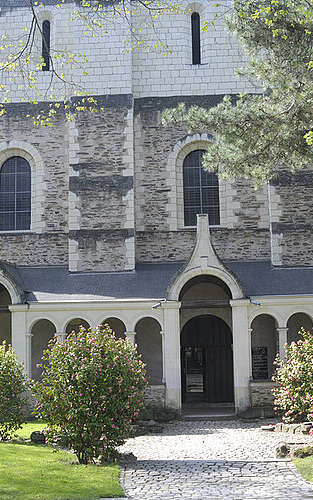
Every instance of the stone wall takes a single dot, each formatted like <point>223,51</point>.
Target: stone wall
<point>175,74</point>
<point>155,395</point>
<point>101,182</point>
<point>106,67</point>
<point>230,244</point>
<point>164,246</point>
<point>291,218</point>
<point>46,151</point>
<point>261,393</point>
<point>107,189</point>
<point>28,249</point>
<point>87,190</point>
<point>244,235</point>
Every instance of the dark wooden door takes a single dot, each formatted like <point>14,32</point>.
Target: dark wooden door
<point>208,376</point>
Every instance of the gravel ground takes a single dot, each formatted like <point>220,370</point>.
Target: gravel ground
<point>212,460</point>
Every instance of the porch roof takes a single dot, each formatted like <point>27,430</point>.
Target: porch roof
<point>150,281</point>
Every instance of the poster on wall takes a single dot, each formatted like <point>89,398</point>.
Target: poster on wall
<point>259,363</point>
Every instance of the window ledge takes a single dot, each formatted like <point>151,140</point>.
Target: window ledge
<point>216,226</point>
<point>15,231</point>
<point>190,65</point>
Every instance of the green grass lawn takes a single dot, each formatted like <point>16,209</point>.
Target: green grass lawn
<point>305,467</point>
<point>35,472</point>
<point>30,427</point>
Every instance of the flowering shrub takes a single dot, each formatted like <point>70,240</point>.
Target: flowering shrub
<point>12,389</point>
<point>91,388</point>
<point>294,377</point>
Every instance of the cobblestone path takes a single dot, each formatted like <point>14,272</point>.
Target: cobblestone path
<point>211,461</point>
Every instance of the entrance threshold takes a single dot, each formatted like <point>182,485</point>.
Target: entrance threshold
<point>208,412</point>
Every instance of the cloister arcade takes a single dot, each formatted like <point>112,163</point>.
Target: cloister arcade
<point>253,332</point>
<point>146,335</point>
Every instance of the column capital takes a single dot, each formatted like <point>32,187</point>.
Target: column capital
<point>282,329</point>
<point>29,335</point>
<point>239,302</point>
<point>61,336</point>
<point>170,304</point>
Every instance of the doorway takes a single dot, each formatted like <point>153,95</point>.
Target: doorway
<point>207,361</point>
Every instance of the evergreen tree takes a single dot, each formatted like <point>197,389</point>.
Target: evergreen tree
<point>256,135</point>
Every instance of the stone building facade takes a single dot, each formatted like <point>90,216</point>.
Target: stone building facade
<point>209,305</point>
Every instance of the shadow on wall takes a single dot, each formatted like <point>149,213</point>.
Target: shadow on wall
<point>264,346</point>
<point>149,345</point>
<point>294,325</point>
<point>5,315</point>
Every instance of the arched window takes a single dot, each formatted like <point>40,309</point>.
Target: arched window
<point>45,54</point>
<point>195,38</point>
<point>15,194</point>
<point>201,190</point>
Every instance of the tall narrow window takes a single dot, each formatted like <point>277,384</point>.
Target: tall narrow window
<point>46,45</point>
<point>201,190</point>
<point>195,38</point>
<point>15,194</point>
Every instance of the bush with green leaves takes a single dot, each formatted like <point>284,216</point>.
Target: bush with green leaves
<point>12,392</point>
<point>294,381</point>
<point>91,389</point>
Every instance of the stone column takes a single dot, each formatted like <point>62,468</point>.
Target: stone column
<point>250,331</point>
<point>242,353</point>
<point>162,333</point>
<point>131,336</point>
<point>282,340</point>
<point>171,358</point>
<point>28,364</point>
<point>18,328</point>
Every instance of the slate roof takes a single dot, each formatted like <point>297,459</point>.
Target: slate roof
<point>150,281</point>
<point>261,278</point>
<point>58,284</point>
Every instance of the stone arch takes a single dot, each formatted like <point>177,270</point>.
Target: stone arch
<point>175,179</point>
<point>12,289</point>
<point>274,314</point>
<point>38,186</point>
<point>117,326</point>
<point>205,322</point>
<point>155,314</point>
<point>205,294</point>
<point>149,345</point>
<point>294,324</point>
<point>5,315</point>
<point>179,281</point>
<point>195,7</point>
<point>175,173</point>
<point>46,317</point>
<point>74,324</point>
<point>42,331</point>
<point>264,346</point>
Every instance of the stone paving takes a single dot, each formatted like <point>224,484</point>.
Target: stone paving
<point>212,460</point>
